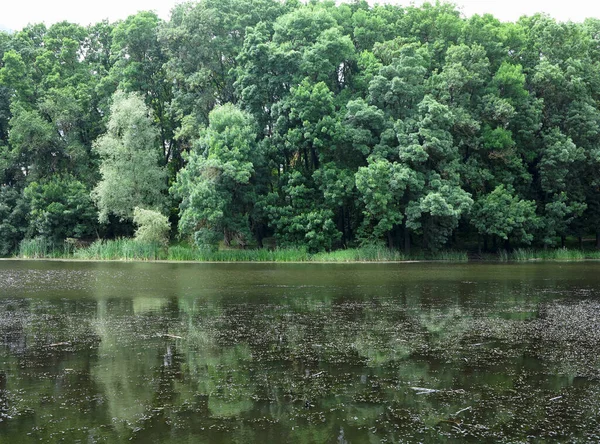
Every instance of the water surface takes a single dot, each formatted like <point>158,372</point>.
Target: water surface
<point>121,352</point>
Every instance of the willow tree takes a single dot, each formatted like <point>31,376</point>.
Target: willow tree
<point>130,153</point>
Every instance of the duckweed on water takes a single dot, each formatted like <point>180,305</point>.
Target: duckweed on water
<point>102,353</point>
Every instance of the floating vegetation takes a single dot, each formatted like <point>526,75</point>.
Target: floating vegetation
<point>111,352</point>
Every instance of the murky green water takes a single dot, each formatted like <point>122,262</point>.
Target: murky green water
<point>176,353</point>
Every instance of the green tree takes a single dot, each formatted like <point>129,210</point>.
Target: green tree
<point>130,161</point>
<point>151,226</point>
<point>13,219</point>
<point>296,216</point>
<point>382,186</point>
<point>60,208</point>
<point>36,147</point>
<point>216,187</point>
<point>503,214</point>
<point>138,65</point>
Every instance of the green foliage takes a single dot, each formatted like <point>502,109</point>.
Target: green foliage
<point>296,221</point>
<point>318,125</point>
<point>152,227</point>
<point>503,214</point>
<point>131,175</point>
<point>13,219</point>
<point>34,143</point>
<point>216,186</point>
<point>382,186</point>
<point>60,208</point>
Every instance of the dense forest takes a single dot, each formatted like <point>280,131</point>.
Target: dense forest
<point>258,122</point>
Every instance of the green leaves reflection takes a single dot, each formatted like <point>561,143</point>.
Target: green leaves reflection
<point>437,361</point>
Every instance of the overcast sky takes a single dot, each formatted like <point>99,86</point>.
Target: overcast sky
<point>15,14</point>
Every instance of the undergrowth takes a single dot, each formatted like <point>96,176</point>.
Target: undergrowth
<point>131,249</point>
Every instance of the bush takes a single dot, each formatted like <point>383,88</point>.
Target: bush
<point>153,227</point>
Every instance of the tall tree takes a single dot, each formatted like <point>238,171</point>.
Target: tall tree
<point>216,187</point>
<point>132,175</point>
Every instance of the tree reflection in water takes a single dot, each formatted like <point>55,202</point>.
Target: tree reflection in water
<point>431,357</point>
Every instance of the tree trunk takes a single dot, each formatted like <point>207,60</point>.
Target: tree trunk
<point>343,222</point>
<point>562,241</point>
<point>580,239</point>
<point>315,158</point>
<point>479,244</point>
<point>306,160</point>
<point>390,239</point>
<point>406,239</point>
<point>259,233</point>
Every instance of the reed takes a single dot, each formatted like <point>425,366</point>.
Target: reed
<point>451,256</point>
<point>131,249</point>
<point>40,248</point>
<point>559,254</point>
<point>181,253</point>
<point>121,249</point>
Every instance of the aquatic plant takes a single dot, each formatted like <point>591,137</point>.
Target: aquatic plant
<point>39,248</point>
<point>133,249</point>
<point>559,254</point>
<point>126,249</point>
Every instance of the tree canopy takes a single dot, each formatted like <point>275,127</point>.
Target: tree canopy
<point>316,125</point>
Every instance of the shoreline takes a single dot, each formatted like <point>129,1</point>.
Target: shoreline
<point>174,261</point>
<point>408,261</point>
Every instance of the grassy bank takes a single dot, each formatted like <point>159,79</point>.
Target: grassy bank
<point>559,254</point>
<point>129,249</point>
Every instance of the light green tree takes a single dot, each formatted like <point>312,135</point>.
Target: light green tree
<point>152,226</point>
<point>130,155</point>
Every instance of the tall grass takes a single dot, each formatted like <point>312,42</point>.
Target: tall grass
<point>363,254</point>
<point>559,254</point>
<point>125,249</point>
<point>40,248</point>
<point>131,249</point>
<point>179,252</point>
<point>451,256</point>
<point>369,253</point>
<point>505,256</point>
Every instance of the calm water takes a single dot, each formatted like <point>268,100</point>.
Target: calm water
<point>111,352</point>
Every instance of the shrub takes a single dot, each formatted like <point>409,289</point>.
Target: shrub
<point>153,227</point>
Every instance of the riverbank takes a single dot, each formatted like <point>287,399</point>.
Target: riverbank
<point>132,250</point>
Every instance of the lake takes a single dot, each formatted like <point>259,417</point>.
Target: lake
<point>342,353</point>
